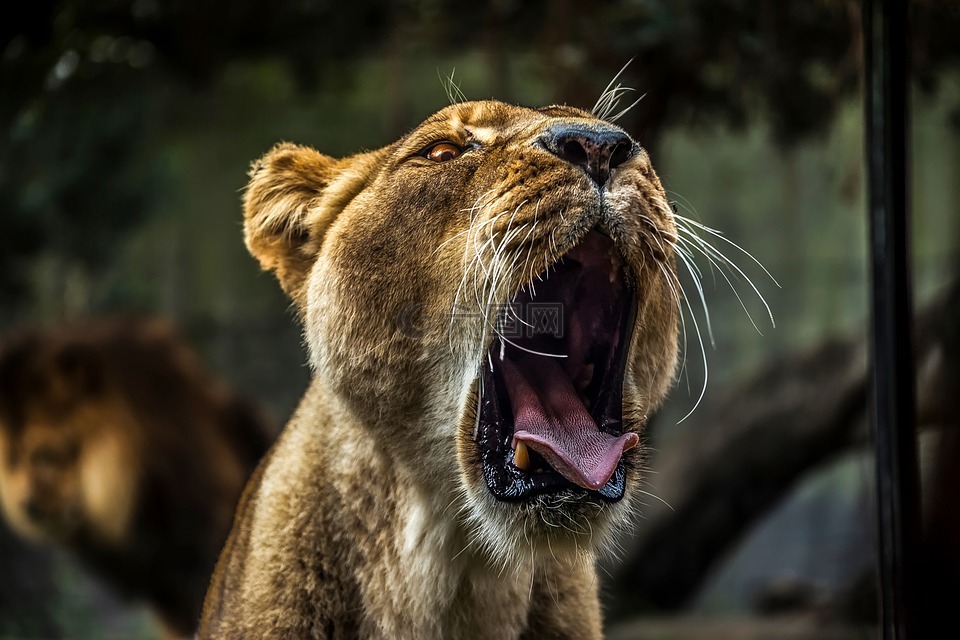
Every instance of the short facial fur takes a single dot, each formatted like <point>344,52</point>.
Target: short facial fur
<point>372,517</point>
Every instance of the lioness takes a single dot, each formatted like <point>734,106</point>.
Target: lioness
<point>491,314</point>
<point>117,444</point>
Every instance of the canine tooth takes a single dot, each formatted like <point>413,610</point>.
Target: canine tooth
<point>521,457</point>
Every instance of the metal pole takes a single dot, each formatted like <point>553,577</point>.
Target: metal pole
<point>887,120</point>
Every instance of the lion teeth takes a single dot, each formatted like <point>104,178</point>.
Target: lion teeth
<point>521,456</point>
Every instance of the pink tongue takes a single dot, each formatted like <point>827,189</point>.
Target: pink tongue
<point>552,420</point>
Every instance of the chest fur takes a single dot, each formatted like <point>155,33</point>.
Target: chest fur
<point>409,562</point>
<point>434,585</point>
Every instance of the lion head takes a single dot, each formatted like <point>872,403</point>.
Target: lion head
<point>67,449</point>
<point>494,297</point>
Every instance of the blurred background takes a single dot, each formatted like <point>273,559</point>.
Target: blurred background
<point>128,126</point>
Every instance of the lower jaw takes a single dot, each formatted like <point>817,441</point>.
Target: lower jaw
<point>509,486</point>
<point>550,525</point>
<point>508,483</point>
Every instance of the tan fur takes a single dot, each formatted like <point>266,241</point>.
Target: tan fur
<point>370,517</point>
<point>118,445</point>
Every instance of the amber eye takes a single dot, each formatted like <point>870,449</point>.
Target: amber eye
<point>442,152</point>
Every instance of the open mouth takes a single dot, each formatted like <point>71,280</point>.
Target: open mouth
<point>550,415</point>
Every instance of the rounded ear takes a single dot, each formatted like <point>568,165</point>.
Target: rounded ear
<point>293,196</point>
<point>285,185</point>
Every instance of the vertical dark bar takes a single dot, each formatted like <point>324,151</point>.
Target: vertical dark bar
<point>887,117</point>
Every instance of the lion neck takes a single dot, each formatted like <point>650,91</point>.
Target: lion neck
<point>409,554</point>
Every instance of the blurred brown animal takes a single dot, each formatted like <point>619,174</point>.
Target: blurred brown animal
<point>117,444</point>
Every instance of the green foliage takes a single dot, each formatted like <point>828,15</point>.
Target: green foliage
<point>85,82</point>
<point>67,169</point>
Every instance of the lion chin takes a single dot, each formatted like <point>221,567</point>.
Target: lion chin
<point>490,309</point>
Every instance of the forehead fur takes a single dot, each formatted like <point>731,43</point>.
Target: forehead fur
<point>495,114</point>
<point>487,121</point>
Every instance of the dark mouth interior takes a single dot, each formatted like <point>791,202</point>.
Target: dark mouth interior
<point>548,423</point>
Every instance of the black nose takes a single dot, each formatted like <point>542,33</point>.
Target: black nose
<point>594,148</point>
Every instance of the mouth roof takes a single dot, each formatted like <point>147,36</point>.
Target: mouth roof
<point>552,380</point>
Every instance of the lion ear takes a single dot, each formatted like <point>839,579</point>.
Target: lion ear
<point>293,196</point>
<point>286,186</point>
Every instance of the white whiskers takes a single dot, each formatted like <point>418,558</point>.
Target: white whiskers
<point>451,88</point>
<point>609,100</point>
<point>491,259</point>
<point>688,244</point>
